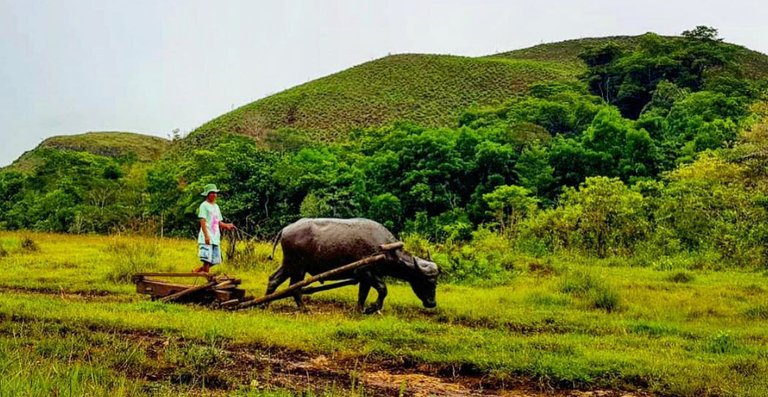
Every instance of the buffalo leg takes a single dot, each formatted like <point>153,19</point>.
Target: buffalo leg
<point>276,279</point>
<point>362,295</point>
<point>297,295</point>
<point>381,290</point>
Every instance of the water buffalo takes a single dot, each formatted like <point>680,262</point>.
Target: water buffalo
<point>316,245</point>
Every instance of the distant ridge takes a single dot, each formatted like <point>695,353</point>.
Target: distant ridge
<point>108,144</point>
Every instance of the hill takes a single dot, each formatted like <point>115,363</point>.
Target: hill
<point>427,89</point>
<point>109,144</point>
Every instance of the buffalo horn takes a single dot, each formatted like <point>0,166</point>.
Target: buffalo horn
<point>429,255</point>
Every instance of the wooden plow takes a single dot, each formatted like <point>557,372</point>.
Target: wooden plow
<point>222,291</point>
<point>215,290</point>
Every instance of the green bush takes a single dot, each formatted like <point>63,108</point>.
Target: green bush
<point>488,259</point>
<point>602,217</point>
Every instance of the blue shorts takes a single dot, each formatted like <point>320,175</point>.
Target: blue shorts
<point>210,254</point>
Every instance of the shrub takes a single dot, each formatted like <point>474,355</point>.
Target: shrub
<point>487,260</point>
<point>602,217</point>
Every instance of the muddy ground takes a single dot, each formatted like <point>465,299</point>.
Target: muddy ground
<point>253,366</point>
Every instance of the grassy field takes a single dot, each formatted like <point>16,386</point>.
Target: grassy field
<point>71,324</point>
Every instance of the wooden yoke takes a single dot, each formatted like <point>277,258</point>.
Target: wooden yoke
<point>322,276</point>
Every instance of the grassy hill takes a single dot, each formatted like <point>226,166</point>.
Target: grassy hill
<point>108,144</point>
<point>428,89</point>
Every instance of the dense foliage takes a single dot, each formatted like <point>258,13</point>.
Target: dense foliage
<point>635,159</point>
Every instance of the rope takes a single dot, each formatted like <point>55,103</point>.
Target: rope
<point>242,233</point>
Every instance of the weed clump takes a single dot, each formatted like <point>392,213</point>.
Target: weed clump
<point>542,267</point>
<point>131,258</point>
<point>194,363</point>
<point>722,343</point>
<point>29,245</point>
<point>681,277</point>
<point>599,294</point>
<point>759,312</point>
<point>3,252</point>
<point>605,298</point>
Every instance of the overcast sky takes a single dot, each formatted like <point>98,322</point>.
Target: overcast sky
<point>68,67</point>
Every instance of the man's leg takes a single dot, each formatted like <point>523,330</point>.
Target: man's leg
<point>205,268</point>
<point>206,257</point>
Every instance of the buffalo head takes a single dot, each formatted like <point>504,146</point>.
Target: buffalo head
<point>422,275</point>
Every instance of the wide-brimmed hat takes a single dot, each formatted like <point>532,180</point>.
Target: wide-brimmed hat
<point>209,188</point>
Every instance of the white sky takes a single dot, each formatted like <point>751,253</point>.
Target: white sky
<point>68,67</point>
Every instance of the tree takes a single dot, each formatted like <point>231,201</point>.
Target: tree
<point>701,32</point>
<point>607,215</point>
<point>534,171</point>
<point>386,209</point>
<point>510,205</point>
<point>625,151</point>
<point>628,79</point>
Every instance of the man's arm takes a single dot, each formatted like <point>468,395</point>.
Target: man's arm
<point>227,226</point>
<point>204,228</point>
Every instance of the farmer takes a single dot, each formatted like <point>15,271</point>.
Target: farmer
<point>209,238</point>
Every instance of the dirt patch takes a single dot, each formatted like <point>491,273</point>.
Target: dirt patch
<point>418,385</point>
<point>263,367</point>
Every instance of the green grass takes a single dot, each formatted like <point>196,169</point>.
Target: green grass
<point>704,336</point>
<point>145,148</point>
<point>44,359</point>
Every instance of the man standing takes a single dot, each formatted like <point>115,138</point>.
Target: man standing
<point>209,238</point>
